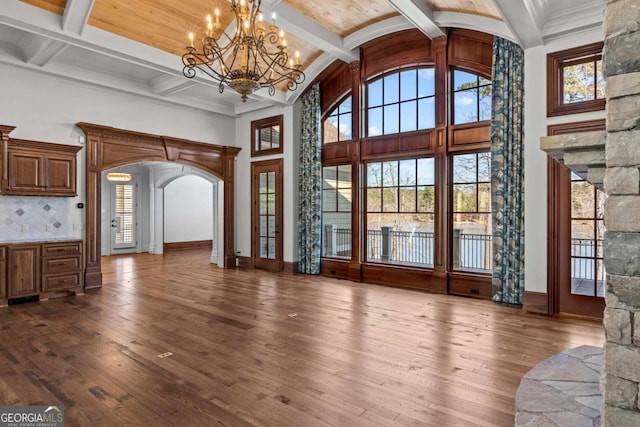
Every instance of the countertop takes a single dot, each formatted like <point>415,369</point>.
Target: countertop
<point>40,240</point>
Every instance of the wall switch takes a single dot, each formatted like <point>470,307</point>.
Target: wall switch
<point>49,227</point>
<point>24,228</point>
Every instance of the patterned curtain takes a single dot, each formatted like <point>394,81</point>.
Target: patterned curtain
<point>310,184</point>
<point>507,165</point>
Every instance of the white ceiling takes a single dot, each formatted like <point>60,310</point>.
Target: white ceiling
<point>34,38</point>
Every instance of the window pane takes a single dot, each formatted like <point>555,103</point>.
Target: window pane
<point>600,199</point>
<point>265,138</point>
<point>391,117</point>
<point>582,200</point>
<point>345,106</point>
<point>464,198</point>
<point>579,82</point>
<point>463,80</point>
<point>408,199</point>
<point>484,167</point>
<point>426,172</point>
<point>345,127</point>
<point>600,82</point>
<point>344,200</point>
<point>390,199</point>
<point>329,177</point>
<point>472,244</point>
<point>408,85</point>
<point>408,172</point>
<point>329,199</point>
<point>426,82</point>
<point>374,200</point>
<point>464,168</point>
<point>391,88</point>
<point>375,121</point>
<point>374,93</point>
<point>390,174</point>
<point>426,113</point>
<point>426,199</point>
<point>330,129</point>
<point>482,81</point>
<point>408,116</point>
<point>485,103</point>
<point>344,176</point>
<point>374,174</point>
<point>484,197</point>
<point>465,106</point>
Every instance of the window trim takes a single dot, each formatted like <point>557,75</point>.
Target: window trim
<point>257,125</point>
<point>556,61</point>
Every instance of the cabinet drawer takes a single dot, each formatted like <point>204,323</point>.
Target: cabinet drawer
<point>61,249</point>
<point>61,265</point>
<point>55,283</point>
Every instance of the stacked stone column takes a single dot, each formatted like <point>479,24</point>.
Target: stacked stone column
<point>621,372</point>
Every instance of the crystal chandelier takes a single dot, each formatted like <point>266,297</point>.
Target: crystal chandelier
<point>254,57</point>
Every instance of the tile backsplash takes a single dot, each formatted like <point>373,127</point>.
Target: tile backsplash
<point>23,218</point>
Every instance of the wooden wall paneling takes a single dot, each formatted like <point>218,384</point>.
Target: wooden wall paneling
<point>471,50</point>
<point>109,147</point>
<point>338,153</point>
<point>337,82</point>
<point>3,276</point>
<point>383,54</point>
<point>406,277</point>
<point>470,136</point>
<point>471,285</point>
<point>396,145</point>
<point>535,302</point>
<point>338,268</point>
<point>4,146</point>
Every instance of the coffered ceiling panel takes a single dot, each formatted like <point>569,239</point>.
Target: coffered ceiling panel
<point>344,17</point>
<point>55,6</point>
<point>475,7</point>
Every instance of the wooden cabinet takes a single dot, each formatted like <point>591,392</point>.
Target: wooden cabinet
<point>3,275</point>
<point>45,269</point>
<point>62,268</point>
<point>40,169</point>
<point>24,270</point>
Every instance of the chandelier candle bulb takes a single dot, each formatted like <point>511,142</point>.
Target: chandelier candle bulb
<point>251,58</point>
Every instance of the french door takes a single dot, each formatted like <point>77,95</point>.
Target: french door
<point>124,217</point>
<point>266,214</point>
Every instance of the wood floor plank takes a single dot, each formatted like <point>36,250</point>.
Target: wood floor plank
<point>253,348</point>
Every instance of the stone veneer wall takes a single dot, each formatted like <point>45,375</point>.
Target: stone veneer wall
<point>621,374</point>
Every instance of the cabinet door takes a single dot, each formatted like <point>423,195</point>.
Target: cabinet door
<point>24,271</point>
<point>25,172</point>
<point>60,174</point>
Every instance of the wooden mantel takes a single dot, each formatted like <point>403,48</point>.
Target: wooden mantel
<point>109,147</point>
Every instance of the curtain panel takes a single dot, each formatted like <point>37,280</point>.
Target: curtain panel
<point>507,165</point>
<point>310,184</point>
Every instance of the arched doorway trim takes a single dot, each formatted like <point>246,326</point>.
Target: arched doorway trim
<point>108,147</point>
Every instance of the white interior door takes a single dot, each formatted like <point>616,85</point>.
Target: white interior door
<point>124,224</point>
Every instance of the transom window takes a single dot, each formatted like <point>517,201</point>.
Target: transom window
<point>471,98</point>
<point>266,136</point>
<point>401,102</point>
<point>337,125</point>
<point>400,211</point>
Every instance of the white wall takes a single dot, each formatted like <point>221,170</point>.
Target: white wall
<point>536,122</point>
<point>291,136</point>
<point>188,210</point>
<point>46,108</point>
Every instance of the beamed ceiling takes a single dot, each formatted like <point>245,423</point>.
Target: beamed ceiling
<point>136,45</point>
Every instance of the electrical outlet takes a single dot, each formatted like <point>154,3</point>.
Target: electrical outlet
<point>24,228</point>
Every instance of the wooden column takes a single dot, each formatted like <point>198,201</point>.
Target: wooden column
<point>442,220</point>
<point>4,144</point>
<point>354,272</point>
<point>229,207</point>
<point>93,206</point>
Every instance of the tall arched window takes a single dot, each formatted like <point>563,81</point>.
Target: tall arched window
<point>337,126</point>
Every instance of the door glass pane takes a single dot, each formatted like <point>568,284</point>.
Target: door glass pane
<point>124,213</point>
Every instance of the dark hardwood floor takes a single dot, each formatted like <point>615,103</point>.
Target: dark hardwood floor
<point>255,348</point>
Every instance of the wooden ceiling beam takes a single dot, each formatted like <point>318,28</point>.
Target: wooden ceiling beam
<point>38,50</point>
<point>420,15</point>
<point>306,29</point>
<point>521,20</point>
<point>76,15</point>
